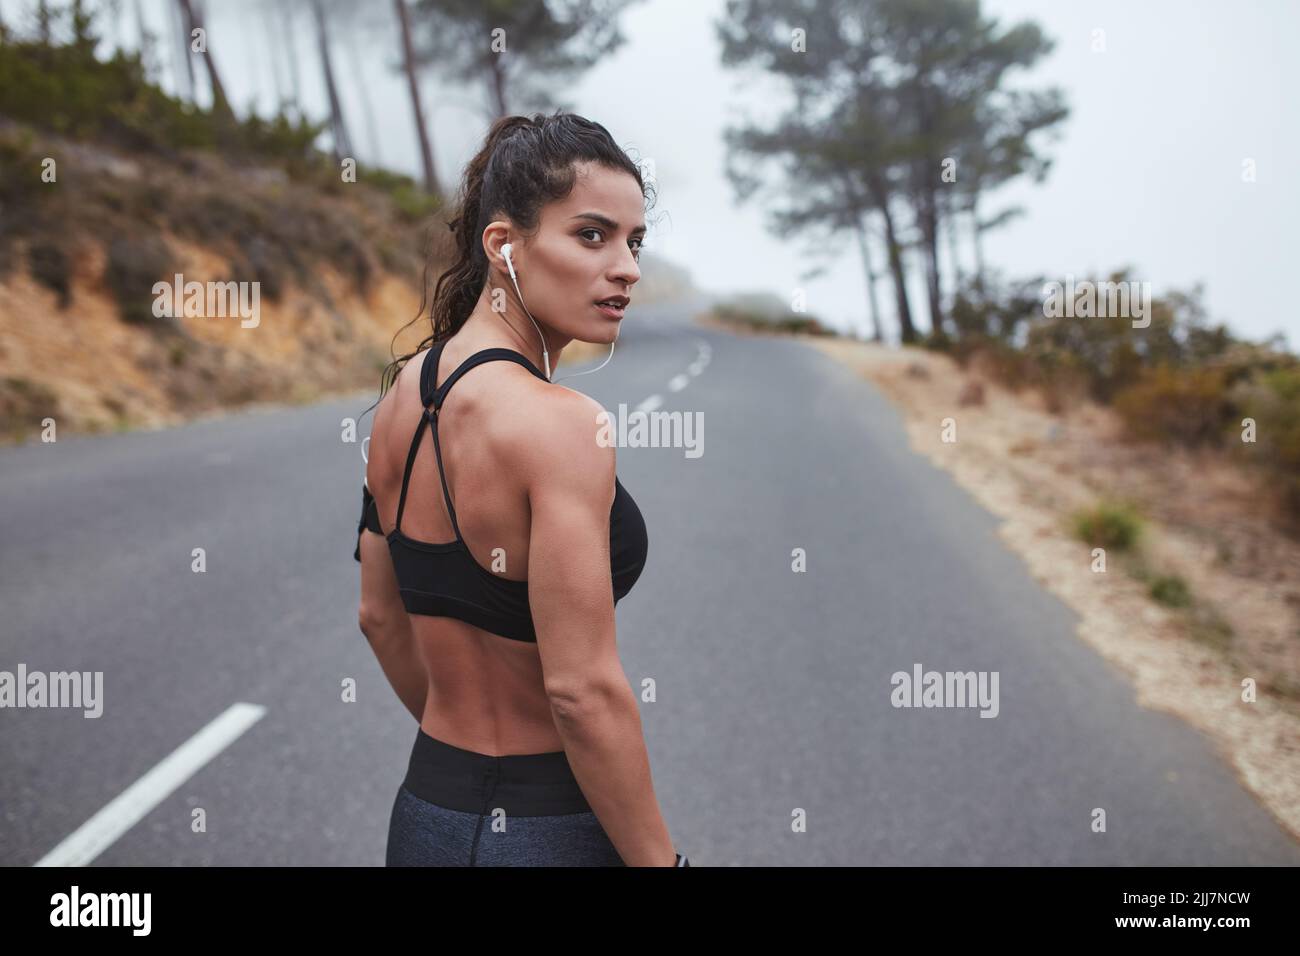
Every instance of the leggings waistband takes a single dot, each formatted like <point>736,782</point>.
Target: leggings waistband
<point>524,785</point>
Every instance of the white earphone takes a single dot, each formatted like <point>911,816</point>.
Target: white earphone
<point>546,355</point>
<point>506,249</point>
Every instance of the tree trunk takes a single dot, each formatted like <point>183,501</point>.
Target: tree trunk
<point>498,84</point>
<point>907,331</point>
<point>861,206</point>
<point>977,237</point>
<point>220,105</point>
<point>928,219</point>
<point>950,221</point>
<point>338,129</point>
<point>268,25</point>
<point>44,21</point>
<point>113,13</point>
<point>865,250</point>
<point>408,62</point>
<point>143,33</point>
<point>363,88</point>
<point>185,85</point>
<point>291,45</point>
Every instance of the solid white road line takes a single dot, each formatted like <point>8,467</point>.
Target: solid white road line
<point>99,832</point>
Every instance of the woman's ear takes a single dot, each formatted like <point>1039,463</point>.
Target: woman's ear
<point>496,241</point>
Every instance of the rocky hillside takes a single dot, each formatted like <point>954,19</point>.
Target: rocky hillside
<point>324,276</point>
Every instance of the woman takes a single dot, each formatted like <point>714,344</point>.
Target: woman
<point>490,600</point>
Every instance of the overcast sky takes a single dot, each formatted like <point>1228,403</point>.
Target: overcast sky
<point>1148,172</point>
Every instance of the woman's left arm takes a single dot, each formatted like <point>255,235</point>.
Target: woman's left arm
<point>384,622</point>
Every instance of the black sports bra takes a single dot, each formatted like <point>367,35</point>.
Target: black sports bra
<point>445,580</point>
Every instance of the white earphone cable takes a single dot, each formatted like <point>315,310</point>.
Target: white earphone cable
<point>546,355</point>
<point>590,370</point>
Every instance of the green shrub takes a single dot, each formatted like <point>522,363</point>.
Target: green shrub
<point>990,315</point>
<point>1272,399</point>
<point>1113,355</point>
<point>279,138</point>
<point>414,204</point>
<point>348,251</point>
<point>21,192</point>
<point>64,87</point>
<point>409,198</point>
<point>941,341</point>
<point>23,404</point>
<point>1208,627</point>
<point>803,327</point>
<point>1187,406</point>
<point>993,358</point>
<point>134,265</point>
<point>50,267</point>
<point>1171,590</point>
<point>268,266</point>
<point>767,321</point>
<point>1109,525</point>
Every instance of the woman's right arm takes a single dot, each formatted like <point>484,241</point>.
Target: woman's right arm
<point>571,594</point>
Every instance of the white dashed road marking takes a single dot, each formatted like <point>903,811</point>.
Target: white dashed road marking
<point>680,381</point>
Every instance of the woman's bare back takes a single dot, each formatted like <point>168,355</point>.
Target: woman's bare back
<point>486,692</point>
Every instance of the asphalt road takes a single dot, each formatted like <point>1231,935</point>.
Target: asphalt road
<point>774,687</point>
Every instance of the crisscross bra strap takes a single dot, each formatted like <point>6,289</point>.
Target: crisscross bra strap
<point>435,396</point>
<point>437,451</point>
<point>438,395</point>
<point>428,369</point>
<point>406,475</point>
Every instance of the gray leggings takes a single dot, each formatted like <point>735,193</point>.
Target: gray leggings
<point>460,808</point>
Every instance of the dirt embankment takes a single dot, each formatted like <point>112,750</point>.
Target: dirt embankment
<point>91,371</point>
<point>292,286</point>
<point>1202,521</point>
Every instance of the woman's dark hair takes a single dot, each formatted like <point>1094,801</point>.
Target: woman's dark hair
<point>525,163</point>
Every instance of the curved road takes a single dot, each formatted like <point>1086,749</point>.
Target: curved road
<point>773,687</point>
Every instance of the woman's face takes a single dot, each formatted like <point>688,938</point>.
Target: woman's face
<point>585,250</point>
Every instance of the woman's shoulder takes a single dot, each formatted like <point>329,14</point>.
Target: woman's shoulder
<point>558,433</point>
<point>406,379</point>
